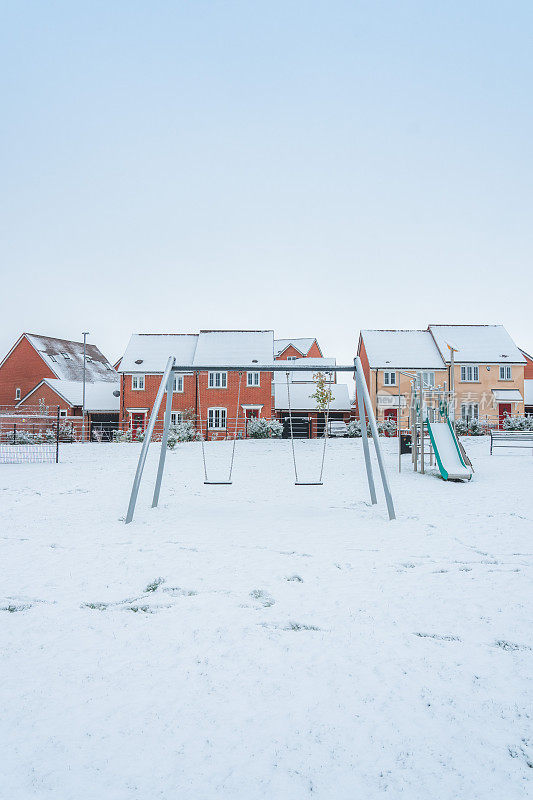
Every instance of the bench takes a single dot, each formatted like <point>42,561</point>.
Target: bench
<point>511,439</point>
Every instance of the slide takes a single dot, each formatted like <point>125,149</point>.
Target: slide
<point>452,465</point>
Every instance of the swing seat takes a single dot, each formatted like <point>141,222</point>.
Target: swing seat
<point>218,483</point>
<point>308,483</point>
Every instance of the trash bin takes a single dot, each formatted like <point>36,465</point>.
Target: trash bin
<point>405,443</point>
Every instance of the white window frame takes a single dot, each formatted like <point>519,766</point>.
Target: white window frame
<point>213,377</point>
<point>428,379</point>
<point>176,417</point>
<point>215,417</point>
<point>52,358</point>
<point>17,393</point>
<point>62,412</point>
<point>469,411</point>
<point>506,372</point>
<point>292,358</point>
<point>178,384</point>
<point>469,373</point>
<point>137,383</point>
<point>253,379</point>
<point>66,356</point>
<point>387,377</point>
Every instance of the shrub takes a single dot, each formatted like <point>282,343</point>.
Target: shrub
<point>518,423</point>
<point>471,427</point>
<point>182,432</point>
<point>386,428</point>
<point>259,428</point>
<point>122,436</point>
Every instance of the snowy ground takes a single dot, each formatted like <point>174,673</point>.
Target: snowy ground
<point>300,645</point>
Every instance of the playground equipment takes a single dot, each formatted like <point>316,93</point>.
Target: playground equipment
<point>433,436</point>
<point>167,384</point>
<point>297,481</point>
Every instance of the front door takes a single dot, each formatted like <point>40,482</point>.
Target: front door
<point>391,415</point>
<point>504,409</point>
<point>137,421</point>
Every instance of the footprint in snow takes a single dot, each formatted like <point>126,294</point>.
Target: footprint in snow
<point>441,637</point>
<point>511,646</point>
<point>264,598</point>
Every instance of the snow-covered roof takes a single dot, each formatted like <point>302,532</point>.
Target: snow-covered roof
<point>301,399</point>
<point>204,349</point>
<point>98,396</point>
<point>65,359</point>
<point>484,344</point>
<point>153,350</point>
<point>401,350</point>
<point>317,364</point>
<point>303,345</point>
<point>528,392</point>
<point>234,347</point>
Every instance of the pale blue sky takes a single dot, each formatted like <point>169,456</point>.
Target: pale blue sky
<point>315,167</point>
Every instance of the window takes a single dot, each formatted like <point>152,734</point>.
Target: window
<point>389,378</point>
<point>428,380</point>
<point>216,418</point>
<point>178,383</point>
<point>292,358</point>
<point>252,378</point>
<point>17,393</point>
<point>52,358</point>
<point>137,382</point>
<point>218,380</point>
<point>469,411</point>
<point>66,356</point>
<point>176,417</point>
<point>63,412</point>
<point>470,374</point>
<point>506,374</point>
<point>88,359</point>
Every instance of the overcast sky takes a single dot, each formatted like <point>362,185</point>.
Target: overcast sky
<point>311,167</point>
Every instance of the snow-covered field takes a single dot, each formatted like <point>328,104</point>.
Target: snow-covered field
<point>298,643</point>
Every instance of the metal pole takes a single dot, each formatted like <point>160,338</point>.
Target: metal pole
<point>421,385</point>
<point>57,436</point>
<point>85,334</point>
<point>452,385</point>
<point>147,438</point>
<point>399,426</point>
<point>164,440</point>
<point>375,436</point>
<point>364,437</point>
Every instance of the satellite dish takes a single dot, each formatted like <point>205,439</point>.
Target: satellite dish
<point>116,393</point>
<point>139,361</point>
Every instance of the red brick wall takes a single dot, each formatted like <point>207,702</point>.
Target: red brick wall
<point>528,369</point>
<point>290,351</point>
<point>314,351</point>
<point>24,368</point>
<point>182,401</point>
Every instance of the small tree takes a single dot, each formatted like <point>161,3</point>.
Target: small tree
<point>322,394</point>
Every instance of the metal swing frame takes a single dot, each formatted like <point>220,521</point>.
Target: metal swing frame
<point>167,382</point>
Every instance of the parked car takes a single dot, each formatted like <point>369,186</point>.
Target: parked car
<point>336,427</point>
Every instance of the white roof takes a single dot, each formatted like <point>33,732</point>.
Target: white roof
<point>302,344</point>
<point>153,350</point>
<point>65,358</point>
<point>401,350</point>
<point>98,396</point>
<point>484,344</point>
<point>301,399</point>
<point>316,364</point>
<point>528,392</point>
<point>234,347</point>
<point>507,395</point>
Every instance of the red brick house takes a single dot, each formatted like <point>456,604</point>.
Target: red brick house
<point>211,398</point>
<point>528,383</point>
<point>46,371</point>
<point>291,349</point>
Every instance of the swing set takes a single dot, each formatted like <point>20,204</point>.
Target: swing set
<point>167,384</point>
